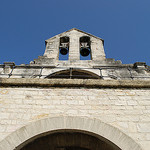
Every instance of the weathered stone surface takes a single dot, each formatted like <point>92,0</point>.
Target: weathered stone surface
<point>22,105</point>
<point>93,127</point>
<point>92,83</point>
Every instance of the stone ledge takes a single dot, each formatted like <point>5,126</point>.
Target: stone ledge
<point>89,83</point>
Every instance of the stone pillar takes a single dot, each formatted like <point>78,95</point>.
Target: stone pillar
<point>52,48</point>
<point>8,67</point>
<point>74,53</point>
<point>97,49</point>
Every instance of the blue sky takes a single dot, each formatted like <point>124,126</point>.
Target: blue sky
<point>26,24</point>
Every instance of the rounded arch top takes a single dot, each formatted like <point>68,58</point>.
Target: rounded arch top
<point>93,126</point>
<point>64,39</point>
<point>74,74</point>
<point>84,39</point>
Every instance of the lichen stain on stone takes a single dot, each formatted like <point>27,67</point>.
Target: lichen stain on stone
<point>28,96</point>
<point>2,102</point>
<point>40,116</point>
<point>3,91</point>
<point>130,94</point>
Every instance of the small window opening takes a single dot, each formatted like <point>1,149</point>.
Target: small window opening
<point>85,48</point>
<point>64,48</point>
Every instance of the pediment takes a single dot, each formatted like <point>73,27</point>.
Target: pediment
<point>73,30</point>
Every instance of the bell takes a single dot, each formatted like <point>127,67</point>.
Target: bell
<point>63,51</point>
<point>84,52</point>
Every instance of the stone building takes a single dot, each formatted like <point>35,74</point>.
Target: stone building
<point>74,98</point>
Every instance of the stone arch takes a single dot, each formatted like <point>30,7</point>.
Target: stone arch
<point>85,46</point>
<point>94,126</point>
<point>74,73</point>
<point>64,48</point>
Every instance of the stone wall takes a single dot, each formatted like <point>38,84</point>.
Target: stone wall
<point>126,109</point>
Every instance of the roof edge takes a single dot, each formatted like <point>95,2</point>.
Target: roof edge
<point>78,31</point>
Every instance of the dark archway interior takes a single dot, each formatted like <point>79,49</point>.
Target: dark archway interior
<point>74,74</point>
<point>69,141</point>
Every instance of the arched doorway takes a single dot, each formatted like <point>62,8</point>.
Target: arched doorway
<point>70,140</point>
<point>94,129</point>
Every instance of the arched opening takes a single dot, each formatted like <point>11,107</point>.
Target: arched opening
<point>64,48</point>
<point>74,74</point>
<point>85,48</point>
<point>70,140</point>
<point>88,128</point>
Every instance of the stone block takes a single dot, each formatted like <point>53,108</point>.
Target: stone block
<point>143,127</point>
<point>130,102</point>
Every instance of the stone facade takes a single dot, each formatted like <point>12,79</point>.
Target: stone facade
<point>126,109</point>
<point>49,63</point>
<point>123,105</point>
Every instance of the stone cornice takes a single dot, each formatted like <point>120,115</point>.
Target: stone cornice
<point>89,83</point>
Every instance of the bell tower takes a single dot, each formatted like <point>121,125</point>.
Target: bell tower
<point>75,46</point>
<point>74,98</point>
